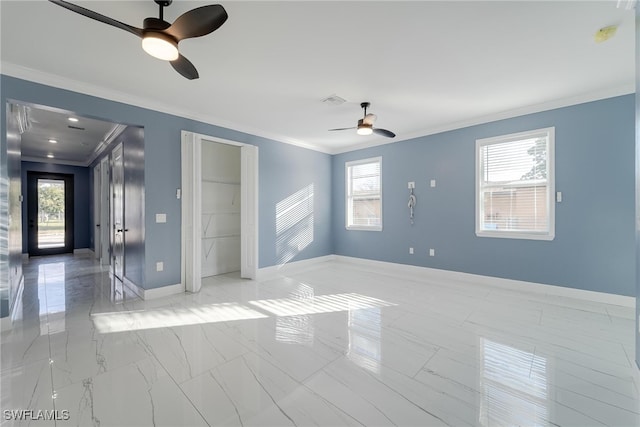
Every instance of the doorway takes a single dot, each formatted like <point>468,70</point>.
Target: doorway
<point>219,208</point>
<point>49,213</point>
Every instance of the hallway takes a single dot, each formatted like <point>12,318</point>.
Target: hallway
<point>331,345</point>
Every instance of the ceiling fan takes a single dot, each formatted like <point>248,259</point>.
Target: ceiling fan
<point>365,124</point>
<point>159,38</point>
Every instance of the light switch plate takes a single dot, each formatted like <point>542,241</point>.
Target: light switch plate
<point>160,218</point>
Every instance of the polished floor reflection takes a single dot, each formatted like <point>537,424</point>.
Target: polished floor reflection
<point>333,345</point>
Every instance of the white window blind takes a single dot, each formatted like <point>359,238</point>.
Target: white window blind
<point>364,194</point>
<point>515,185</point>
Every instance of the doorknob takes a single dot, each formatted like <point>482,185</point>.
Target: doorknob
<point>97,225</point>
<point>119,230</point>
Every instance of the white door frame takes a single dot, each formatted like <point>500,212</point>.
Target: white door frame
<point>191,247</point>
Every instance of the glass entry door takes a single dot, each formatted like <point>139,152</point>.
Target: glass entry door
<point>50,213</point>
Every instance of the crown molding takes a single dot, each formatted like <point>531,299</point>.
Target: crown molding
<point>517,112</point>
<point>37,76</point>
<point>49,79</point>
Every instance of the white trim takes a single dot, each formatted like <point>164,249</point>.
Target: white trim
<point>266,273</point>
<point>147,294</point>
<point>37,76</point>
<point>423,273</point>
<point>621,90</point>
<point>163,291</point>
<point>191,224</point>
<point>549,133</point>
<point>347,191</point>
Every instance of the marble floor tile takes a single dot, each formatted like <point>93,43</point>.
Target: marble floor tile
<point>332,345</point>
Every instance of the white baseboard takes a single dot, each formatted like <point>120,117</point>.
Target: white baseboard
<point>476,279</point>
<point>147,294</point>
<point>266,273</point>
<point>164,291</point>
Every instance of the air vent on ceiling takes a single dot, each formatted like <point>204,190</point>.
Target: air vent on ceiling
<point>334,100</point>
<point>75,127</point>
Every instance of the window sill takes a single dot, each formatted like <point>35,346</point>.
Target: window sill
<point>363,228</point>
<point>516,235</point>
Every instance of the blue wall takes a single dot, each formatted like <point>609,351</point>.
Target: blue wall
<point>594,244</point>
<point>82,202</point>
<point>162,174</point>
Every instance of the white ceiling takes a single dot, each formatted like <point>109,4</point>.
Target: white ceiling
<point>77,142</point>
<point>425,66</point>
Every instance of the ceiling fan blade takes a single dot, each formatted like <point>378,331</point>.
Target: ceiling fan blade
<point>198,22</point>
<point>384,132</point>
<point>185,67</point>
<point>342,129</point>
<point>369,119</point>
<point>98,17</point>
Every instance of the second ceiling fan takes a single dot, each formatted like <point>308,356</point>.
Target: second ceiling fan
<point>159,38</point>
<point>365,124</point>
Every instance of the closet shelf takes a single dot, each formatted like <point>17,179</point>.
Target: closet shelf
<point>218,181</point>
<point>220,213</point>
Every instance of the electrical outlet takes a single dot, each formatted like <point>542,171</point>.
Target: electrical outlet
<point>432,252</point>
<point>160,266</point>
<point>411,184</point>
<point>432,183</point>
<point>410,251</point>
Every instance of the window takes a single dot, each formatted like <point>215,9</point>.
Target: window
<point>515,186</point>
<point>364,194</point>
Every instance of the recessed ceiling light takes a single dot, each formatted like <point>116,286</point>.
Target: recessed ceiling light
<point>53,141</point>
<point>50,156</point>
<point>73,119</point>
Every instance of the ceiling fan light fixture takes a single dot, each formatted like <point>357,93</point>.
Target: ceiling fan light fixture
<point>160,46</point>
<point>364,129</point>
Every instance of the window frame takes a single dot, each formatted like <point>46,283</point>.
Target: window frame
<point>348,197</point>
<point>549,133</point>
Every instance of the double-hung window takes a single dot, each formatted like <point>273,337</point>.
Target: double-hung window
<point>364,194</point>
<point>515,185</point>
